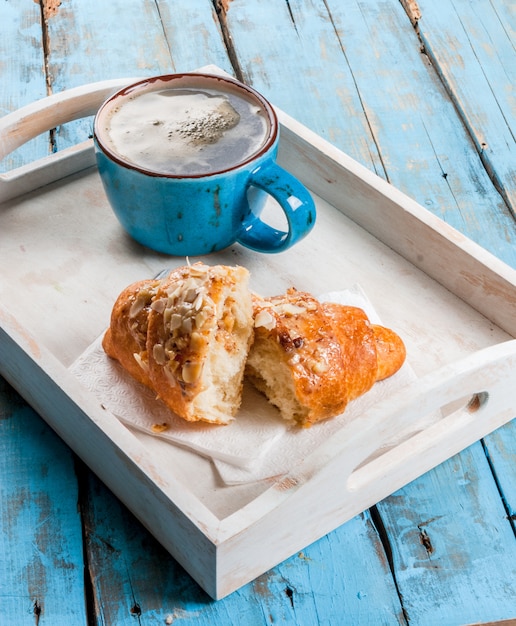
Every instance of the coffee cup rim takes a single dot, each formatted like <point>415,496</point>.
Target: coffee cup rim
<point>269,142</point>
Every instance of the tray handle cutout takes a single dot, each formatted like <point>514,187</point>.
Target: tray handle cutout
<point>28,122</point>
<point>474,396</point>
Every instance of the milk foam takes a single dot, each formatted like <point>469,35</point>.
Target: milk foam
<point>186,131</point>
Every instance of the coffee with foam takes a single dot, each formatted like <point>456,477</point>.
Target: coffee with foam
<point>186,131</point>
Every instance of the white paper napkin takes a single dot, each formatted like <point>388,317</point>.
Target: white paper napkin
<point>258,444</point>
<point>241,443</point>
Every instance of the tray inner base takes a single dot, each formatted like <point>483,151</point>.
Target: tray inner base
<point>65,259</point>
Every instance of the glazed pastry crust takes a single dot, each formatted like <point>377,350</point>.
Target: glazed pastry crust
<point>126,338</point>
<point>311,359</point>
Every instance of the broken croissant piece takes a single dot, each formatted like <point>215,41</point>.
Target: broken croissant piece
<point>187,337</point>
<point>311,359</point>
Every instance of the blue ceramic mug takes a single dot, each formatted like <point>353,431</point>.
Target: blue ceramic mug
<point>187,162</point>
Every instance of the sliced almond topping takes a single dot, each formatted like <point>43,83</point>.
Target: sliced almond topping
<point>191,294</point>
<point>198,301</point>
<point>174,291</point>
<point>200,318</point>
<point>288,309</point>
<point>169,372</point>
<point>159,305</point>
<point>158,353</point>
<point>176,321</point>
<point>265,319</point>
<point>196,341</point>
<point>143,364</point>
<point>186,325</point>
<point>198,270</point>
<point>139,304</point>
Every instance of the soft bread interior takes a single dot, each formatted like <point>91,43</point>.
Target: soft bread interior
<point>223,370</point>
<point>269,373</point>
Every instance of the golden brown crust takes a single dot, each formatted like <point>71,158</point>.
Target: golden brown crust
<point>127,333</point>
<point>391,351</point>
<point>358,346</point>
<point>331,352</point>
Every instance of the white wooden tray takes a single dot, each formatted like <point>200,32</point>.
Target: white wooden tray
<point>64,260</point>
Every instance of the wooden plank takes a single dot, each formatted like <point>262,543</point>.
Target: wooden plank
<point>22,75</point>
<point>41,569</point>
<point>202,43</point>
<point>430,157</point>
<point>472,47</point>
<point>42,563</point>
<point>500,448</point>
<point>134,576</point>
<point>289,52</point>
<point>457,545</point>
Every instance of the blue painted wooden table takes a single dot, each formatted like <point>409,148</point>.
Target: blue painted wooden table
<point>423,93</point>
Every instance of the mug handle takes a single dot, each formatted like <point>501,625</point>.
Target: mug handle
<point>293,198</point>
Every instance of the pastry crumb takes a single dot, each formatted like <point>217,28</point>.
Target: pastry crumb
<point>160,428</point>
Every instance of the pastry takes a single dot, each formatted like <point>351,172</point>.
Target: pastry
<point>311,359</point>
<point>192,335</point>
<point>187,337</point>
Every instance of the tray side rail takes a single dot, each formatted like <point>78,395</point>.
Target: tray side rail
<point>18,127</point>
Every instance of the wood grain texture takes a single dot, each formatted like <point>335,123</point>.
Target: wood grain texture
<point>22,75</point>
<point>454,542</point>
<point>41,570</point>
<point>472,47</point>
<point>425,149</point>
<point>133,575</point>
<point>500,448</point>
<point>42,562</point>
